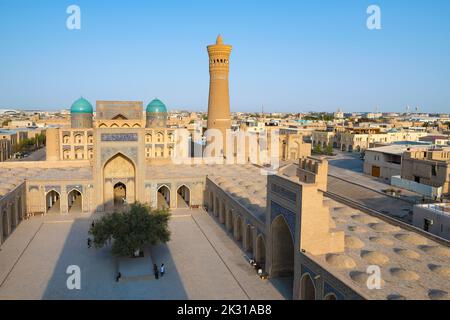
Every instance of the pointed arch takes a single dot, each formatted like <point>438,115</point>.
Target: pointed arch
<point>238,221</point>
<point>282,248</point>
<point>163,196</point>
<point>307,288</point>
<point>119,168</point>
<point>260,250</point>
<point>183,196</point>
<point>52,201</point>
<point>74,201</point>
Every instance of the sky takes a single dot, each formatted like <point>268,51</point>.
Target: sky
<point>288,56</point>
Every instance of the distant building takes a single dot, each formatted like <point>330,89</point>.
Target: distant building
<point>433,218</point>
<point>430,167</point>
<point>361,139</point>
<point>384,162</point>
<point>14,124</point>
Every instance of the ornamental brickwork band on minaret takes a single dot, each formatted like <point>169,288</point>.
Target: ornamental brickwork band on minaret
<point>219,99</point>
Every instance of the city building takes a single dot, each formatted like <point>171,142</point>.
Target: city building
<point>384,162</point>
<point>360,139</point>
<point>433,218</point>
<point>427,171</point>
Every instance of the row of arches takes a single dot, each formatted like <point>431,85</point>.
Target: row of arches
<point>116,125</point>
<point>78,154</point>
<point>159,137</point>
<point>350,148</point>
<point>11,215</point>
<point>53,202</point>
<point>214,61</point>
<point>78,139</point>
<point>282,245</point>
<point>243,232</point>
<point>183,197</point>
<point>75,198</point>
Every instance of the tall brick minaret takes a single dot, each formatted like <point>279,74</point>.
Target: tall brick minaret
<point>219,98</point>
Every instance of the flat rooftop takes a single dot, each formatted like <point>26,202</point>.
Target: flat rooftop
<point>11,178</point>
<point>440,208</point>
<point>391,149</point>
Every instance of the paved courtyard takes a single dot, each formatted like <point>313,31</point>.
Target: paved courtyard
<point>202,262</point>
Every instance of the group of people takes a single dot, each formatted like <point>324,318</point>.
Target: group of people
<point>257,267</point>
<point>159,271</point>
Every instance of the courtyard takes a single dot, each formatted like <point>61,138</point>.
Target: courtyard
<point>202,262</point>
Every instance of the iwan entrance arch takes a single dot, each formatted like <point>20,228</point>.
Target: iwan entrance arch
<point>119,172</point>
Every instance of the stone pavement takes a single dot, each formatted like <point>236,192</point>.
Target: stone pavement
<point>34,259</point>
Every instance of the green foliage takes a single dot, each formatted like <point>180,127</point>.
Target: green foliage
<point>329,149</point>
<point>30,144</point>
<point>131,230</point>
<point>5,122</point>
<point>318,149</point>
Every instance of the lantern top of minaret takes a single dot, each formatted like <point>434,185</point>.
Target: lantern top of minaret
<point>219,39</point>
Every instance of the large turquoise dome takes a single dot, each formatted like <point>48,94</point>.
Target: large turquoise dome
<point>81,106</point>
<point>156,106</point>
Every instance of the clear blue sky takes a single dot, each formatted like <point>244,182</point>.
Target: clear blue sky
<point>289,56</point>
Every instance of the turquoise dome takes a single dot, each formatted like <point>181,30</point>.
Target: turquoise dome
<point>156,106</point>
<point>81,106</point>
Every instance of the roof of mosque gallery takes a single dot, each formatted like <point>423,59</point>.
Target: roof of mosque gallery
<point>412,266</point>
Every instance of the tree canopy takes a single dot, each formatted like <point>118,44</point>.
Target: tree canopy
<point>131,230</point>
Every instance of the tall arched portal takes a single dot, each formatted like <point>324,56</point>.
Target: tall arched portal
<point>282,249</point>
<point>183,197</point>
<point>74,202</point>
<point>53,202</point>
<point>119,175</point>
<point>163,197</point>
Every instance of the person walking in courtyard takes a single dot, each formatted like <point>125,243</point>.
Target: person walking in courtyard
<point>89,242</point>
<point>162,270</point>
<point>155,270</point>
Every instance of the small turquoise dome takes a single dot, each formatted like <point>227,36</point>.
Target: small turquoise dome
<point>156,106</point>
<point>81,106</point>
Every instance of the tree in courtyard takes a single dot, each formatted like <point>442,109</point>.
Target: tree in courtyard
<point>131,230</point>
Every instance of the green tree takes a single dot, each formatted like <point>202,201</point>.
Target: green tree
<point>41,139</point>
<point>131,230</point>
<point>329,150</point>
<point>318,149</point>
